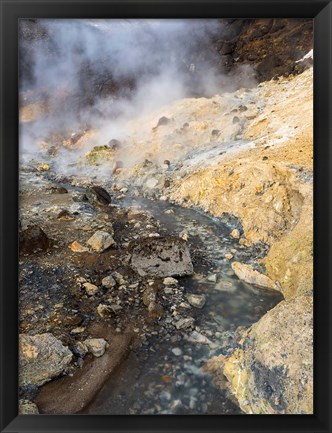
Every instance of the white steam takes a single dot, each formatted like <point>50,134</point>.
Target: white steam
<point>100,73</point>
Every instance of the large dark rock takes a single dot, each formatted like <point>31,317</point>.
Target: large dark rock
<point>33,240</point>
<point>161,257</point>
<point>98,195</point>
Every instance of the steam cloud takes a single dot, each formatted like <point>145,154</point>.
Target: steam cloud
<point>92,72</point>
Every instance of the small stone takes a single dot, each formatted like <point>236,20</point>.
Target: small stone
<point>184,235</point>
<point>80,349</point>
<point>43,167</point>
<point>76,247</point>
<point>170,281</point>
<point>65,215</point>
<point>96,346</point>
<point>104,311</point>
<point>154,235</point>
<point>177,351</point>
<point>168,290</point>
<point>80,280</point>
<point>235,234</point>
<point>212,278</point>
<point>155,310</point>
<point>118,278</point>
<point>149,296</point>
<point>77,330</point>
<point>90,289</point>
<point>245,242</point>
<point>27,407</point>
<point>166,379</point>
<point>100,241</point>
<point>229,256</point>
<point>163,121</point>
<point>186,322</point>
<point>108,282</point>
<point>169,211</point>
<point>197,301</point>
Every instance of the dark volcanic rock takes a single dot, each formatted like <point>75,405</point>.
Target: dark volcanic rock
<point>163,121</point>
<point>33,239</point>
<point>98,195</point>
<point>161,257</point>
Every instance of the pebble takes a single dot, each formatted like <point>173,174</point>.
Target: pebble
<point>76,247</point>
<point>229,256</point>
<point>197,301</point>
<point>77,330</point>
<point>104,310</point>
<point>235,234</point>
<point>212,278</point>
<point>108,282</point>
<point>170,281</point>
<point>186,322</point>
<point>96,346</point>
<point>90,289</point>
<point>177,351</point>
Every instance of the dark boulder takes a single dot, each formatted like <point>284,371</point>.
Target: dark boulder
<point>98,195</point>
<point>33,240</point>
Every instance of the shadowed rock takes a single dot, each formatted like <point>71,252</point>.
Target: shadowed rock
<point>98,195</point>
<point>33,239</point>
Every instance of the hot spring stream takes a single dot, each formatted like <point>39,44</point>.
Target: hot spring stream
<point>164,375</point>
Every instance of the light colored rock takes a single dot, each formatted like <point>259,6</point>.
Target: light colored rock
<point>96,346</point>
<point>149,296</point>
<point>212,278</point>
<point>235,234</point>
<point>186,322</point>
<point>228,256</point>
<point>100,241</point>
<point>76,247</point>
<point>119,278</point>
<point>184,235</point>
<point>197,301</point>
<point>27,407</point>
<point>104,311</point>
<point>250,276</point>
<point>90,289</point>
<point>170,281</point>
<point>271,370</point>
<point>80,280</point>
<point>177,351</point>
<point>197,338</point>
<point>41,358</point>
<point>108,282</point>
<point>161,257</point>
<point>77,330</point>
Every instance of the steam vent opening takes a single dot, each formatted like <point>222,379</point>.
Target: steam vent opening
<point>165,216</point>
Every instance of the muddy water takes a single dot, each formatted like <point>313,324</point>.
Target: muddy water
<point>164,375</point>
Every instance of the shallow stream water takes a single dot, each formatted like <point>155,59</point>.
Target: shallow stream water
<point>164,375</point>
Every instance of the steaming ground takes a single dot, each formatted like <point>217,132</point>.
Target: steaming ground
<point>242,154</point>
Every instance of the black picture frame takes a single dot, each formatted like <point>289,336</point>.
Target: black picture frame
<point>11,11</point>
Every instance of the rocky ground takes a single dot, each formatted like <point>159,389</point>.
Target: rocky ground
<point>168,248</point>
